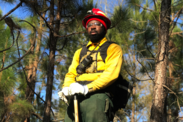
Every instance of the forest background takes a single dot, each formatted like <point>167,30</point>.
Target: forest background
<point>39,38</point>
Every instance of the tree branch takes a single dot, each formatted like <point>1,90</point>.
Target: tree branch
<point>28,23</point>
<point>145,70</point>
<point>70,34</point>
<point>177,14</point>
<point>51,29</point>
<point>37,115</point>
<point>11,10</point>
<point>176,33</point>
<point>24,70</point>
<point>175,22</point>
<point>147,46</point>
<point>11,44</point>
<point>144,7</point>
<point>175,95</point>
<point>42,55</point>
<point>17,60</point>
<point>65,42</point>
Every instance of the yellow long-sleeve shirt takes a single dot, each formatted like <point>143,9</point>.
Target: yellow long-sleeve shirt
<point>111,68</point>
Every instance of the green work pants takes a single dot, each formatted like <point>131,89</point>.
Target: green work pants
<point>92,108</point>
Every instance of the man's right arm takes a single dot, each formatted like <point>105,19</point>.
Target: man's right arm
<point>72,73</point>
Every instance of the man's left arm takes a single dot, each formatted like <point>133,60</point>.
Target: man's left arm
<point>113,63</point>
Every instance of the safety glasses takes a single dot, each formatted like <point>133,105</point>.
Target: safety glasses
<point>95,24</point>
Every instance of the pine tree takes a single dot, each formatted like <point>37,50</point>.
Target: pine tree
<point>11,101</point>
<point>151,39</point>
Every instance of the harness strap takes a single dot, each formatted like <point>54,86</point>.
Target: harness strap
<point>83,52</point>
<point>102,50</point>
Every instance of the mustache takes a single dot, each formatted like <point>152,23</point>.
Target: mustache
<point>93,31</point>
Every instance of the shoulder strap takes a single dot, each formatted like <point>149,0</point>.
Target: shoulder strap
<point>103,50</point>
<point>83,52</point>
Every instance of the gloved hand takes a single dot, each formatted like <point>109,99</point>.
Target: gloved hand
<point>65,90</point>
<point>76,88</point>
<point>62,94</point>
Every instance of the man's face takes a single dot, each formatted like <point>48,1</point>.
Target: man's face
<point>96,31</point>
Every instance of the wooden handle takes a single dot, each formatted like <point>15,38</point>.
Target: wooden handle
<point>76,109</point>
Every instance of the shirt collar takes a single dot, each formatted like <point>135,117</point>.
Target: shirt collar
<point>101,42</point>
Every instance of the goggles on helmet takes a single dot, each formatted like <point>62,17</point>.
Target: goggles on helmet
<point>90,12</point>
<point>96,13</point>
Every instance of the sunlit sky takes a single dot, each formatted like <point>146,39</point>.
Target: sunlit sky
<point>23,13</point>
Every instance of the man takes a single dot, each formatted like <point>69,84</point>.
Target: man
<point>90,82</point>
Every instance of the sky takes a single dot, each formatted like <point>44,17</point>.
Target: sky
<point>23,13</point>
<point>18,12</point>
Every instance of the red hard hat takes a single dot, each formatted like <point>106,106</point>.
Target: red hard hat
<point>98,14</point>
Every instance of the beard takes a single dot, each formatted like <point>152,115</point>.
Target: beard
<point>96,37</point>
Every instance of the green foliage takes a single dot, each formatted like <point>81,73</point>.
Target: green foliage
<point>8,81</point>
<point>5,37</point>
<point>44,64</point>
<point>60,108</point>
<point>38,107</point>
<point>134,28</point>
<point>20,108</point>
<point>121,114</point>
<point>21,85</point>
<point>0,13</point>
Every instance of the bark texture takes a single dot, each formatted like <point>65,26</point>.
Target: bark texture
<point>158,110</point>
<point>32,68</point>
<point>54,29</point>
<point>133,104</point>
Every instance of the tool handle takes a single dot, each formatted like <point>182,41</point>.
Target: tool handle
<point>76,109</point>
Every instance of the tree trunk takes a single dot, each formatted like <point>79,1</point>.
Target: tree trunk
<point>33,65</point>
<point>169,117</point>
<point>3,60</point>
<point>133,104</point>
<point>52,47</point>
<point>158,110</point>
<point>31,81</point>
<point>115,119</point>
<point>134,85</point>
<point>176,115</point>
